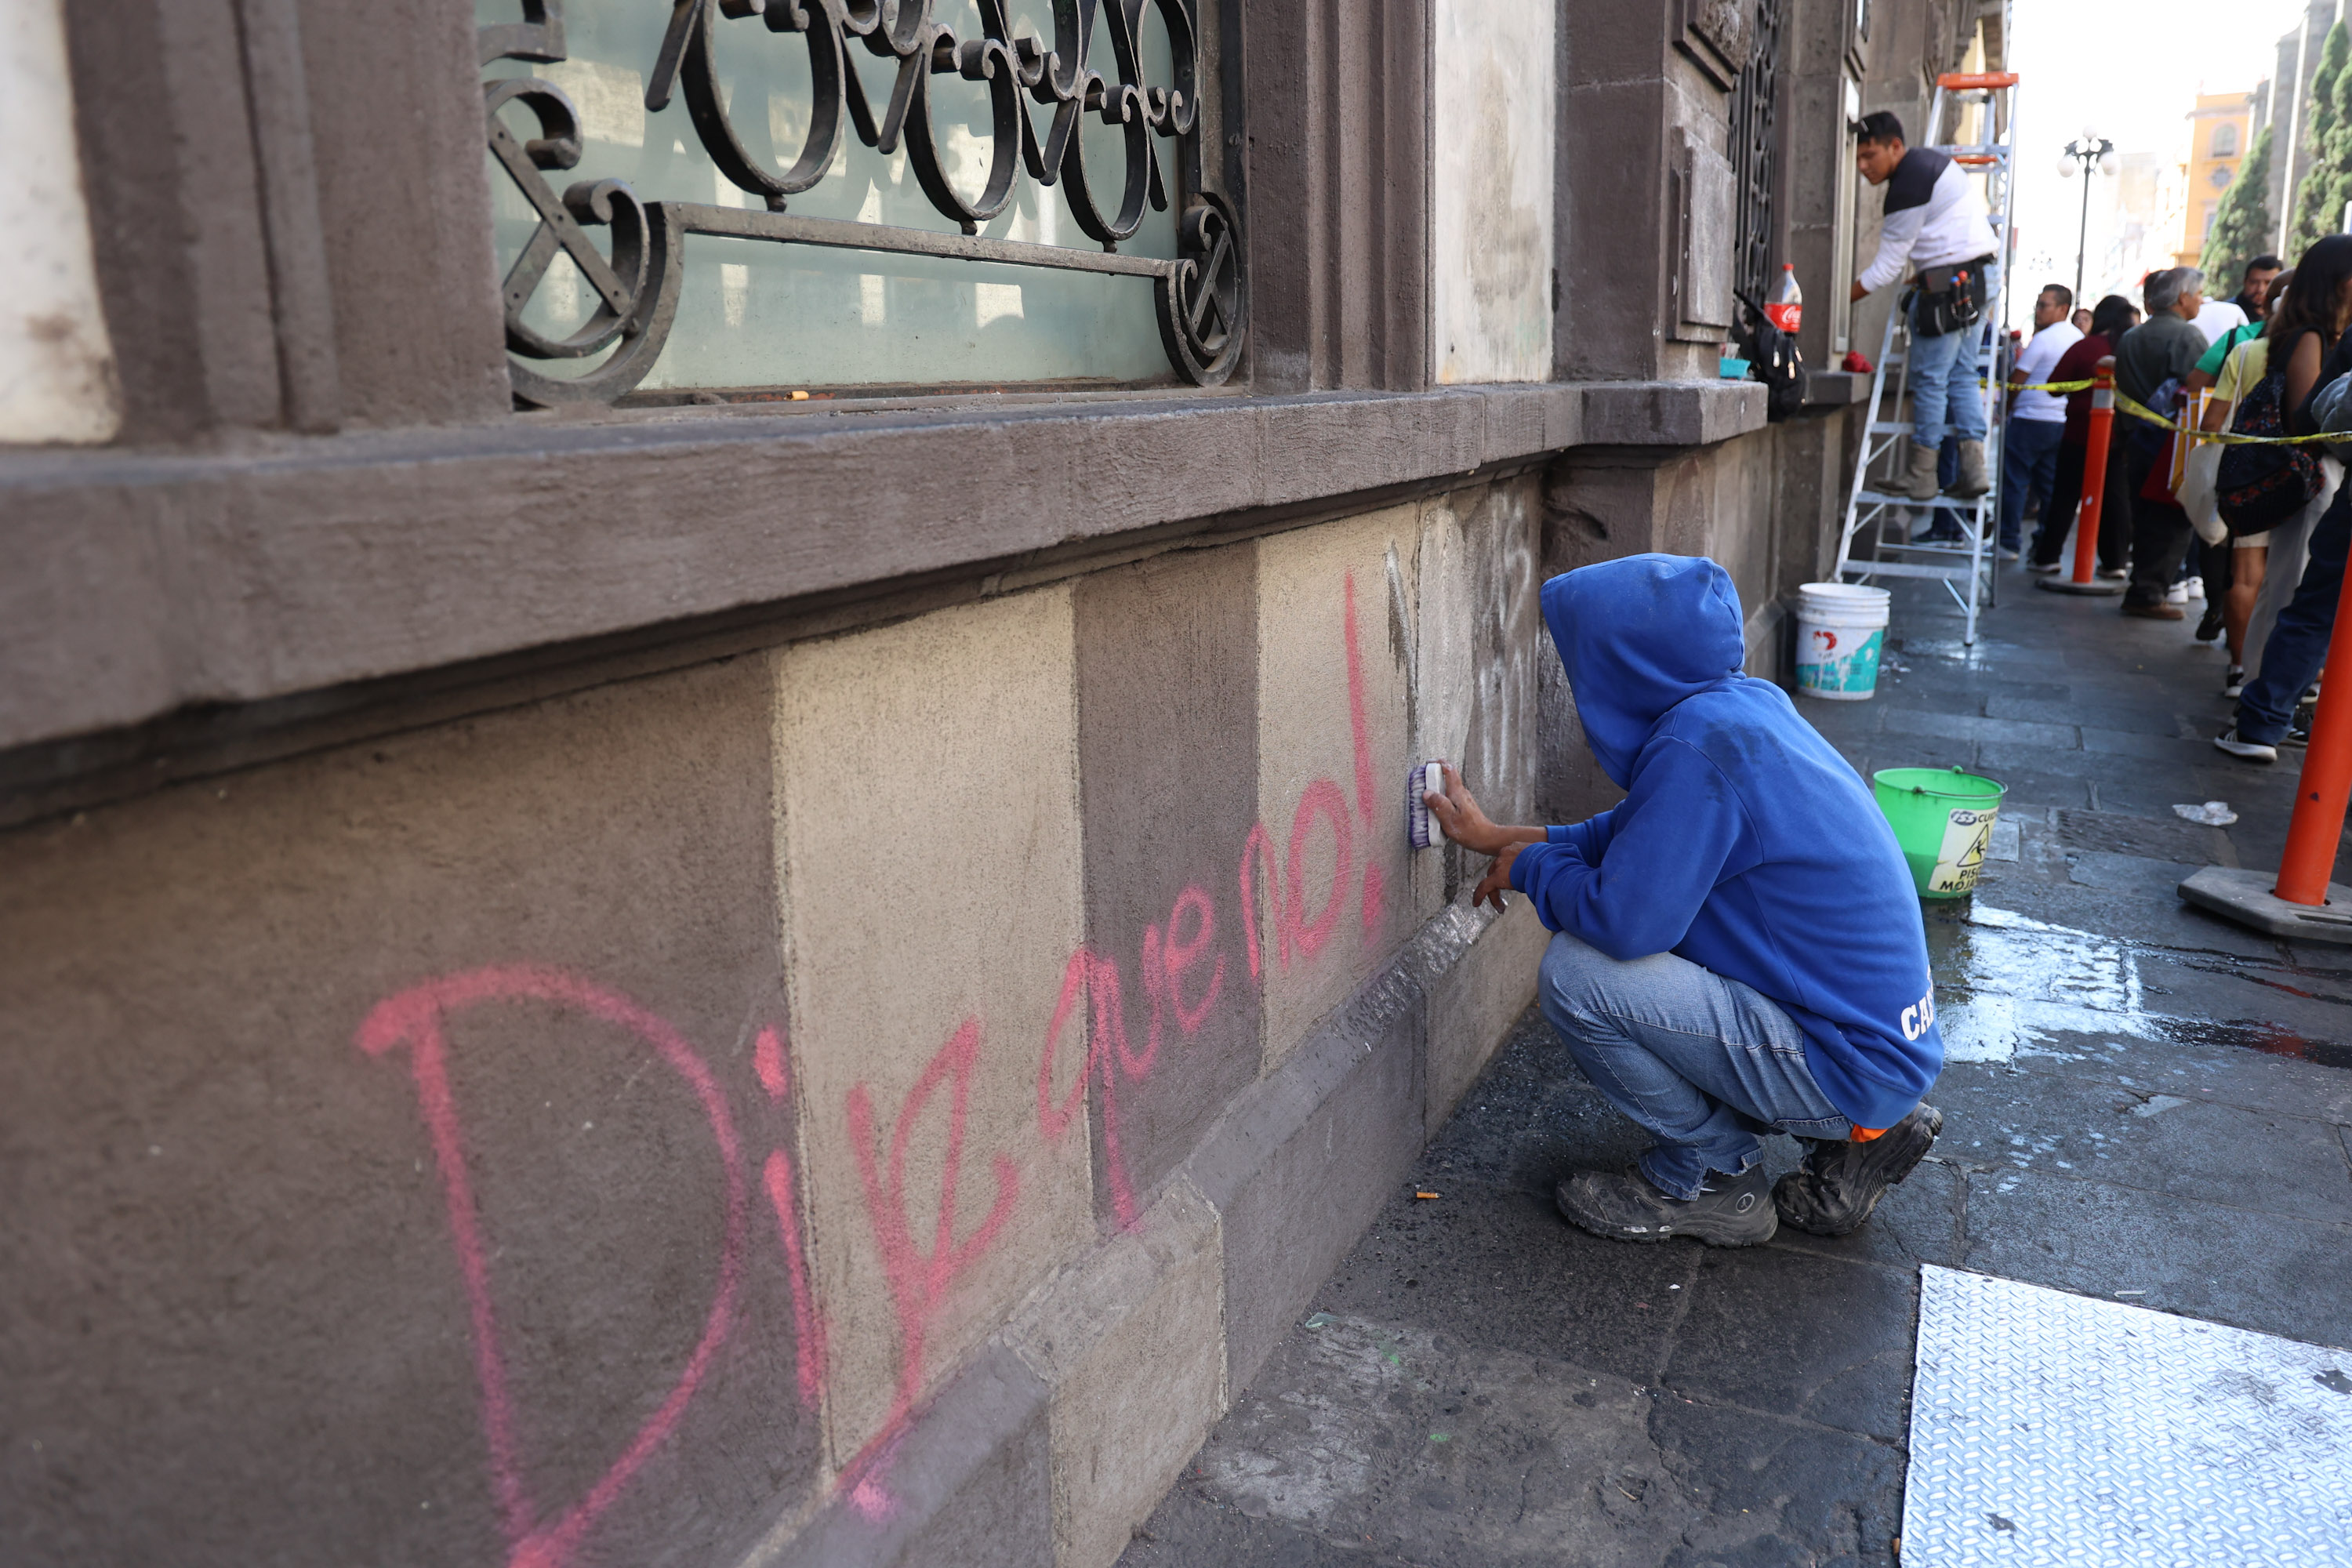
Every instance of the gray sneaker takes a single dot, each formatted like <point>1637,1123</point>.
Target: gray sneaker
<point>1842,1180</point>
<point>1624,1206</point>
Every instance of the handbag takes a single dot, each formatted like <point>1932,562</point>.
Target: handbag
<point>2196,492</point>
<point>2158,485</point>
<point>2255,488</point>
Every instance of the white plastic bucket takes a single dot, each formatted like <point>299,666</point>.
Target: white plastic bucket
<point>1841,628</point>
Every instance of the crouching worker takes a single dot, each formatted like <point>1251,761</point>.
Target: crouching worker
<point>1738,947</point>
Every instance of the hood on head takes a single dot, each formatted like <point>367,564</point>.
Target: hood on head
<point>1637,636</point>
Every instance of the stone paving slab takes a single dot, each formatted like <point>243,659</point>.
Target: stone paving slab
<point>2157,1133</point>
<point>2224,1264</point>
<point>1738,1345</point>
<point>1501,1269</point>
<point>2227,1075</point>
<point>1973,727</point>
<point>2154,716</point>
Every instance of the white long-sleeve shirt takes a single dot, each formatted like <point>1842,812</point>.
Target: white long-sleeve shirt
<point>1935,217</point>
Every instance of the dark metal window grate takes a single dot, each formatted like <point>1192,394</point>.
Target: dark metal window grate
<point>1198,294</point>
<point>1756,157</point>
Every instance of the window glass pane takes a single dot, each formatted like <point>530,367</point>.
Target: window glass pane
<point>755,313</point>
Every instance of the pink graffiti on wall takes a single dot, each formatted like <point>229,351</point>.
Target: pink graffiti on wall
<point>417,1018</point>
<point>1183,975</point>
<point>1110,1053</point>
<point>769,1062</point>
<point>918,1281</point>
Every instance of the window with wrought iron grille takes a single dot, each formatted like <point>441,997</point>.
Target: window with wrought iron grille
<point>776,195</point>
<point>1755,155</point>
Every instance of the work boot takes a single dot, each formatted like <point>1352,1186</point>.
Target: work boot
<point>1919,483</point>
<point>1842,1180</point>
<point>1970,482</point>
<point>1624,1206</point>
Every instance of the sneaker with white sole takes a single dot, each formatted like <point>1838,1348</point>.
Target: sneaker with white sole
<point>2236,681</point>
<point>2045,568</point>
<point>2177,595</point>
<point>2251,750</point>
<point>2116,574</point>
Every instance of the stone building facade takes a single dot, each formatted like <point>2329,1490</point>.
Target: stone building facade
<point>755,943</point>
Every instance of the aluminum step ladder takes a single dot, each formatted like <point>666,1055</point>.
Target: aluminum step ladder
<point>1876,513</point>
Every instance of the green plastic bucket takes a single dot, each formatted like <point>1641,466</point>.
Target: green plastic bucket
<point>1943,819</point>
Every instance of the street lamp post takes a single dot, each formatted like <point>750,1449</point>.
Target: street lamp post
<point>2090,153</point>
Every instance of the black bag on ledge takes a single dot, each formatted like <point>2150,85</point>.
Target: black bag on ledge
<point>1772,359</point>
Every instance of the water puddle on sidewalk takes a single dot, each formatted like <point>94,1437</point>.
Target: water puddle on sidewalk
<point>2015,983</point>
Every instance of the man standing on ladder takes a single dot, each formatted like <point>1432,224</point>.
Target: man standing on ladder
<point>1935,221</point>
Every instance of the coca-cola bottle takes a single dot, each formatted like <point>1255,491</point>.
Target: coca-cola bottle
<point>1786,308</point>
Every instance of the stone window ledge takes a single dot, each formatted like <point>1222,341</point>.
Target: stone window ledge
<point>141,585</point>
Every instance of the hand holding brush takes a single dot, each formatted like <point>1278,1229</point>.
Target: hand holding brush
<point>1458,814</point>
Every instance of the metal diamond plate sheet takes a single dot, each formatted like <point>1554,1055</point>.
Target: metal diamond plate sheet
<point>2051,1428</point>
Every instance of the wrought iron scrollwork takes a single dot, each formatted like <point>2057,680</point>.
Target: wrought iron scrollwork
<point>1199,295</point>
<point>1756,153</point>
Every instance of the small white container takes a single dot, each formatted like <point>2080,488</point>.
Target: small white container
<point>1840,630</point>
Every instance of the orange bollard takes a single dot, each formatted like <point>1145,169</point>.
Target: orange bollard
<point>2327,782</point>
<point>2094,468</point>
<point>2095,448</point>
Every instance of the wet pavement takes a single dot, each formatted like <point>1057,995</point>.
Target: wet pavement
<point>2144,1102</point>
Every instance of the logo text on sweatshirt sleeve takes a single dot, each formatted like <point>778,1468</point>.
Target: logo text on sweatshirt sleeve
<point>1920,1016</point>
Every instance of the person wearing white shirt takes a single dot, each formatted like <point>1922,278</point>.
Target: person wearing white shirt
<point>2037,420</point>
<point>2216,317</point>
<point>1936,218</point>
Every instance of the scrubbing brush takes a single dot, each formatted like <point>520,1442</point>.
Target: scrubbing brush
<point>1424,779</point>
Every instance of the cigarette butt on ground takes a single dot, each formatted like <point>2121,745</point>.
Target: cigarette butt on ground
<point>1422,1195</point>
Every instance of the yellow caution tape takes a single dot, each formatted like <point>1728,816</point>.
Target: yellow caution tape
<point>2224,438</point>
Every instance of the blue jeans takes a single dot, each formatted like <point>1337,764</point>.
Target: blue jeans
<point>1944,383</point>
<point>2029,465</point>
<point>2298,643</point>
<point>1704,1064</point>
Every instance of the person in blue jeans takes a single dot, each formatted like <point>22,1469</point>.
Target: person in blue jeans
<point>1934,218</point>
<point>1738,946</point>
<point>1948,399</point>
<point>2298,643</point>
<point>2037,420</point>
<point>2028,471</point>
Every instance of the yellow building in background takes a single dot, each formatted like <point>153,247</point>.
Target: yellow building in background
<point>2218,134</point>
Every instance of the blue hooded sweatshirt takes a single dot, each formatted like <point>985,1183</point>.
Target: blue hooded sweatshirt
<point>1744,843</point>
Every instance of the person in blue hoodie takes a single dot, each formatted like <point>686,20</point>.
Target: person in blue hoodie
<point>1738,948</point>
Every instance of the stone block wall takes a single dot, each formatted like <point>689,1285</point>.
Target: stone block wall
<point>871,1099</point>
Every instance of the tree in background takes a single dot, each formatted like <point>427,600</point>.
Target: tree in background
<point>2319,202</point>
<point>2242,225</point>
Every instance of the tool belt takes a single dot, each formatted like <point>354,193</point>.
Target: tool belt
<point>1950,298</point>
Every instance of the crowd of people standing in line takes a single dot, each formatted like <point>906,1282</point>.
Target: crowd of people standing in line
<point>2256,364</point>
<point>2270,526</point>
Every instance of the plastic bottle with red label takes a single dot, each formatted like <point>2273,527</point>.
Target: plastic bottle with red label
<point>1786,308</point>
